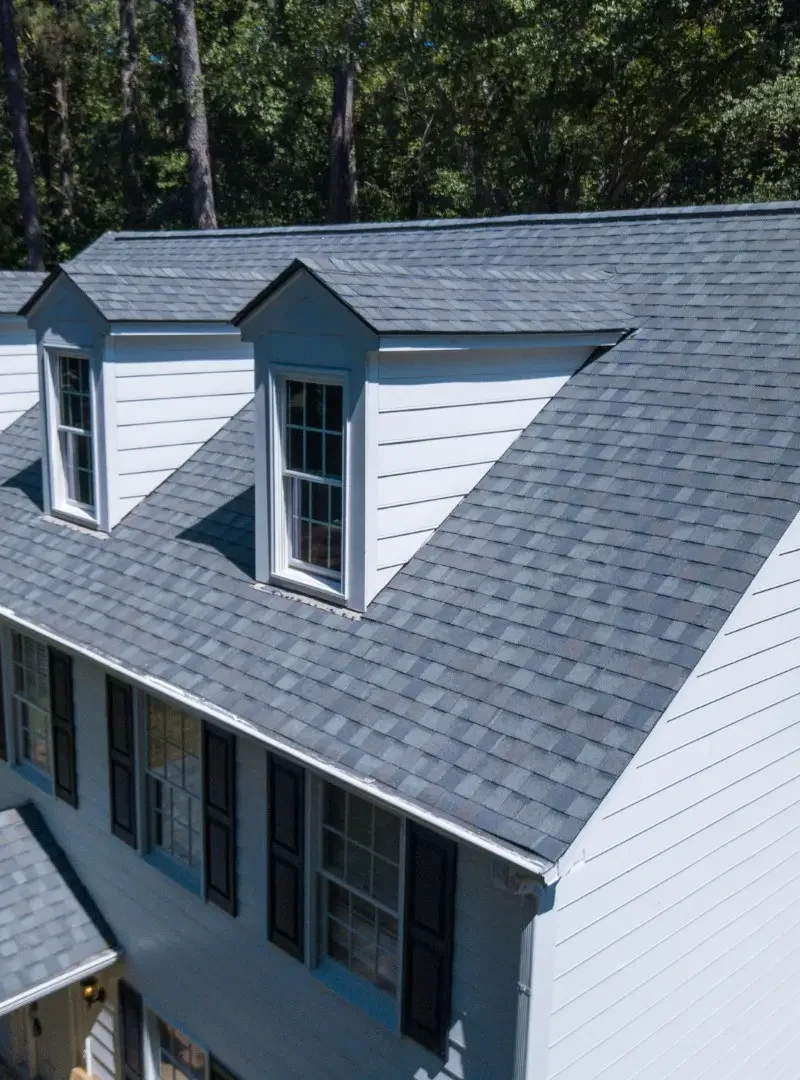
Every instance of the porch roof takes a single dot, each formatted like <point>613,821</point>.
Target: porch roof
<point>51,932</point>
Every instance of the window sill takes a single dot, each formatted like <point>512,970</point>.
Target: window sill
<point>302,581</point>
<point>173,869</point>
<point>75,515</point>
<point>34,776</point>
<point>377,1005</point>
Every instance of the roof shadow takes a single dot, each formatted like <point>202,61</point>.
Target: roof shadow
<point>29,482</point>
<point>230,530</point>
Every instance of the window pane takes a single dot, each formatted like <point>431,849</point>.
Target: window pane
<point>314,452</point>
<point>295,397</point>
<point>387,835</point>
<point>295,450</point>
<point>334,853</point>
<point>335,807</point>
<point>314,405</point>
<point>333,408</point>
<point>359,820</point>
<point>335,556</point>
<point>358,867</point>
<point>333,455</point>
<point>385,882</point>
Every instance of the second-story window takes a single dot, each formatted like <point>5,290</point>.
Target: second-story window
<point>313,477</point>
<point>74,423</point>
<point>174,785</point>
<point>31,703</point>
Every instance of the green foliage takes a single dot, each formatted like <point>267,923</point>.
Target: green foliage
<point>463,107</point>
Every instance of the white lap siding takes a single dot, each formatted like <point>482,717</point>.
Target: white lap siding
<point>444,418</point>
<point>19,377</point>
<point>678,918</point>
<point>261,1012</point>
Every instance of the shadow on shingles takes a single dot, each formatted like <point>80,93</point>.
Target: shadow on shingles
<point>29,482</point>
<point>230,530</point>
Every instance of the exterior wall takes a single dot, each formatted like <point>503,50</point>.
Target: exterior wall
<point>261,1012</point>
<point>101,1045</point>
<point>678,929</point>
<point>443,419</point>
<point>169,396</point>
<point>19,371</point>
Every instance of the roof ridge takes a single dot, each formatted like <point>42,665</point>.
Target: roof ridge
<point>789,207</point>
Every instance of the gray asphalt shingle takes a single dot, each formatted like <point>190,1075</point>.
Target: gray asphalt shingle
<point>17,286</point>
<point>507,674</point>
<point>49,926</point>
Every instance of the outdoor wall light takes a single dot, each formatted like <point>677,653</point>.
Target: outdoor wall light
<point>92,992</point>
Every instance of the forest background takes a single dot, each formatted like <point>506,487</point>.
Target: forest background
<point>166,113</point>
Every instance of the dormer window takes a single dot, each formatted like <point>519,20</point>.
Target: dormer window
<point>75,430</point>
<point>310,514</point>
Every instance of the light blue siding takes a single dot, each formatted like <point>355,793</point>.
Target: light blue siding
<point>262,1013</point>
<point>678,926</point>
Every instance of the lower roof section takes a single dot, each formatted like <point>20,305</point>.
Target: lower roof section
<point>51,933</point>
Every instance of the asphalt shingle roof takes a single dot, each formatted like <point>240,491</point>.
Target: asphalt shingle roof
<point>16,286</point>
<point>506,676</point>
<point>468,299</point>
<point>49,927</point>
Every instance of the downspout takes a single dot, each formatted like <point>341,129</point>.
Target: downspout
<point>535,988</point>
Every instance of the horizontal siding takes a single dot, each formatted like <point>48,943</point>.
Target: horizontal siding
<point>169,400</point>
<point>278,1021</point>
<point>19,378</point>
<point>443,420</point>
<point>102,1046</point>
<point>678,924</point>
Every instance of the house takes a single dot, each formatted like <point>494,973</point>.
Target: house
<point>431,714</point>
<point>19,382</point>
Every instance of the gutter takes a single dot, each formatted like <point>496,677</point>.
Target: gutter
<point>371,788</point>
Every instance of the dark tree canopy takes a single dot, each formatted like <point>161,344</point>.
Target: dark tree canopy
<point>326,109</point>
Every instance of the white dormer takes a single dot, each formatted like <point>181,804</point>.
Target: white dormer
<point>136,373</point>
<point>384,394</point>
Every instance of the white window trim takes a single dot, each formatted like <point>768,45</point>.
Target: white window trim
<point>347,984</point>
<point>282,572</point>
<point>151,1046</point>
<point>41,777</point>
<point>59,504</point>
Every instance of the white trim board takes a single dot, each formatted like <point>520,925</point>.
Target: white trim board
<point>371,788</point>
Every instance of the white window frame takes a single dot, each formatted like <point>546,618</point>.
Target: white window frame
<point>60,502</point>
<point>42,776</point>
<point>152,1047</point>
<point>380,1005</point>
<point>173,867</point>
<point>316,581</point>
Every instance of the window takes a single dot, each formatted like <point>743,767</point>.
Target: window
<point>74,428</point>
<point>361,846</point>
<point>313,477</point>
<point>177,1058</point>
<point>174,784</point>
<point>31,704</point>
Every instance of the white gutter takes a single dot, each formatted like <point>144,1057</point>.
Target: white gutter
<point>369,787</point>
<point>68,978</point>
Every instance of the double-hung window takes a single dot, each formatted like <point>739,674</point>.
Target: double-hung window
<point>74,430</point>
<point>312,478</point>
<point>30,704</point>
<point>174,785</point>
<point>176,1057</point>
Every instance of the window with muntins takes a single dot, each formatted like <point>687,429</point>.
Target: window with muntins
<point>74,424</point>
<point>31,704</point>
<point>313,476</point>
<point>360,874</point>
<point>174,784</point>
<point>177,1057</point>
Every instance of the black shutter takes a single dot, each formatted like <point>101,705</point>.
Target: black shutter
<point>219,810</point>
<point>429,912</point>
<point>63,727</point>
<point>218,1072</point>
<point>286,829</point>
<point>130,1032</point>
<point>3,738</point>
<point>121,760</point>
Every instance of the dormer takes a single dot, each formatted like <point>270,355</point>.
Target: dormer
<point>137,371</point>
<point>384,394</point>
<point>19,381</point>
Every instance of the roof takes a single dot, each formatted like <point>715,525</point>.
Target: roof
<point>465,299</point>
<point>16,286</point>
<point>50,930</point>
<point>506,676</point>
<point>159,294</point>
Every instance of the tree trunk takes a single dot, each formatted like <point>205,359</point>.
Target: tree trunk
<point>21,137</point>
<point>132,199</point>
<point>343,183</point>
<point>64,153</point>
<point>201,187</point>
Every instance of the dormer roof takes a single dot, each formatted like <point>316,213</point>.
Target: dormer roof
<point>481,299</point>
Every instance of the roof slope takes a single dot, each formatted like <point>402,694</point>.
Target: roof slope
<point>17,286</point>
<point>49,928</point>
<point>508,673</point>
<point>466,299</point>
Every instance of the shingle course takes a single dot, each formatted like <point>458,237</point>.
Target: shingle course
<point>17,286</point>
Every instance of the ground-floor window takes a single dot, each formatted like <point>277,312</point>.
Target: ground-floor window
<point>176,1057</point>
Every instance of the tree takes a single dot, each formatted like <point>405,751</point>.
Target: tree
<point>21,138</point>
<point>204,215</point>
<point>343,182</point>
<point>132,197</point>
